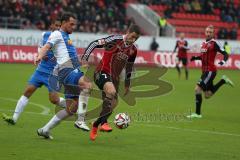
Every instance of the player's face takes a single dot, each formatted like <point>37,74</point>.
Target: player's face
<point>56,25</point>
<point>70,25</point>
<point>209,32</point>
<point>131,38</point>
<point>182,36</point>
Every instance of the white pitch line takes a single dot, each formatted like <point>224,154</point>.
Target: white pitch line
<point>45,109</point>
<point>193,130</point>
<point>10,110</point>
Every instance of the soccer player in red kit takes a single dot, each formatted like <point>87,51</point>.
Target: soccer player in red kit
<point>209,50</point>
<point>182,46</point>
<point>119,52</point>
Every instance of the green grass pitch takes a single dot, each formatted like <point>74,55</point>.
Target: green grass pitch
<point>215,136</point>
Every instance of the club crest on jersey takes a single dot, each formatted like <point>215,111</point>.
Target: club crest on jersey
<point>69,42</point>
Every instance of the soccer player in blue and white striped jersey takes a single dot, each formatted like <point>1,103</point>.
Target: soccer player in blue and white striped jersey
<point>38,79</point>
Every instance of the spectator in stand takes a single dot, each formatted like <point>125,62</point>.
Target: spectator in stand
<point>102,16</point>
<point>154,45</point>
<point>222,33</point>
<point>187,7</point>
<point>162,25</point>
<point>196,6</point>
<point>99,15</point>
<point>208,7</point>
<point>233,34</point>
<point>227,47</point>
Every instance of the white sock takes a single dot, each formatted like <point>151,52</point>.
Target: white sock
<point>56,120</point>
<point>82,104</point>
<point>62,102</point>
<point>22,102</point>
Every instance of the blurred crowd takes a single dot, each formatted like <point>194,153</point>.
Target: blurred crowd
<point>228,11</point>
<point>96,16</point>
<point>108,16</point>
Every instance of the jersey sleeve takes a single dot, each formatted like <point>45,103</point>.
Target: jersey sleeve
<point>129,68</point>
<point>219,48</point>
<point>54,38</point>
<point>99,43</point>
<point>40,44</point>
<point>186,45</point>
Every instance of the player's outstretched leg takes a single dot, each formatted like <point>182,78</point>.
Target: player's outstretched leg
<point>55,99</point>
<point>227,81</point>
<point>178,70</point>
<point>105,113</point>
<point>61,115</point>
<point>107,107</point>
<point>86,86</point>
<point>21,104</point>
<point>198,102</point>
<point>82,109</point>
<point>8,119</point>
<point>224,80</point>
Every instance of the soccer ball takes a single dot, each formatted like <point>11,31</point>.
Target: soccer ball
<point>122,120</point>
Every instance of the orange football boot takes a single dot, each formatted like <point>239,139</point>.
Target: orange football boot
<point>105,128</point>
<point>93,133</point>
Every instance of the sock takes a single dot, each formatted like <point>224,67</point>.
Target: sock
<point>105,113</point>
<point>62,102</point>
<point>82,104</point>
<point>56,120</point>
<point>218,85</point>
<point>198,101</point>
<point>21,104</point>
<point>179,71</point>
<point>186,73</point>
<point>105,118</point>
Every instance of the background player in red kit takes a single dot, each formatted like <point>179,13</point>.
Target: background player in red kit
<point>182,46</point>
<point>209,50</point>
<point>119,52</point>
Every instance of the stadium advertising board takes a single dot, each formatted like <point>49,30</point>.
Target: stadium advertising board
<point>81,40</point>
<point>26,54</point>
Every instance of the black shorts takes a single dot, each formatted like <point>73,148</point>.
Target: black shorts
<point>100,78</point>
<point>206,81</point>
<point>183,60</point>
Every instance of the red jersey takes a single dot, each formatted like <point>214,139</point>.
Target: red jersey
<point>116,55</point>
<point>209,51</point>
<point>182,46</point>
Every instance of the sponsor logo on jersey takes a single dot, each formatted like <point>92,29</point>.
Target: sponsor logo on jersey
<point>69,42</point>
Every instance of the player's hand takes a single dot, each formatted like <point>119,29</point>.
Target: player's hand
<point>222,62</point>
<point>127,90</point>
<point>37,60</point>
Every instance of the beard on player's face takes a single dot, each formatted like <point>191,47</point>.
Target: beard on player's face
<point>69,26</point>
<point>55,26</point>
<point>131,38</point>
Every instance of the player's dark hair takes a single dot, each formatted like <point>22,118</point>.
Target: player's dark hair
<point>66,16</point>
<point>134,28</point>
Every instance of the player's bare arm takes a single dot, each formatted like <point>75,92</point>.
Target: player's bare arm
<point>42,53</point>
